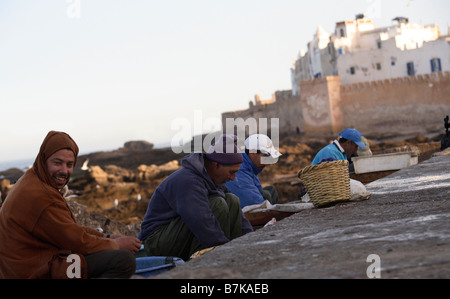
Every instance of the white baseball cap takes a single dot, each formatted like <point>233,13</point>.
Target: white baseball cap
<point>262,143</point>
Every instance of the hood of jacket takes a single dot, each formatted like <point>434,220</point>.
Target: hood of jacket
<point>195,163</point>
<point>53,142</point>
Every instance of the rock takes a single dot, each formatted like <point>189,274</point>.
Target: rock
<point>138,146</point>
<point>111,174</point>
<point>119,174</point>
<point>5,187</point>
<point>445,152</point>
<point>424,150</point>
<point>153,171</point>
<point>12,174</point>
<point>402,149</point>
<point>98,174</point>
<point>101,222</point>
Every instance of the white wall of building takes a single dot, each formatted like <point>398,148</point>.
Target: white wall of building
<point>391,62</point>
<point>364,53</point>
<point>315,47</point>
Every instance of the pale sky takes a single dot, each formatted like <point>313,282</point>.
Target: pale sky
<point>110,71</point>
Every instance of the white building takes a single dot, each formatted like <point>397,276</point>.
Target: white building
<point>359,52</point>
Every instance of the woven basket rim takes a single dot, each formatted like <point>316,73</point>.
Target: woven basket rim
<point>322,165</point>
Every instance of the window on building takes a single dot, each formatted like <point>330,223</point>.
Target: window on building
<point>410,68</point>
<point>435,65</point>
<point>342,32</point>
<point>378,44</point>
<point>352,70</point>
<point>378,66</point>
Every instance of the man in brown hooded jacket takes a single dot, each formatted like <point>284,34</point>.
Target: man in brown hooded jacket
<point>39,236</point>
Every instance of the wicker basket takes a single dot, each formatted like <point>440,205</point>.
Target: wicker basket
<point>326,183</point>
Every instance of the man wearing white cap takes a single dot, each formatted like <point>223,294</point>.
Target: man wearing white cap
<point>259,152</point>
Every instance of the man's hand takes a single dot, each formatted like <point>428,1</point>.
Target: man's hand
<point>127,243</point>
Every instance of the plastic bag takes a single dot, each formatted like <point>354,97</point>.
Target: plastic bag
<point>358,191</point>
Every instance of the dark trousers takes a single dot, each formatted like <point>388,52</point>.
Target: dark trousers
<point>177,240</point>
<point>271,194</point>
<point>111,264</point>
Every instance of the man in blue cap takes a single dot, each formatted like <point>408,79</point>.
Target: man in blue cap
<point>346,147</point>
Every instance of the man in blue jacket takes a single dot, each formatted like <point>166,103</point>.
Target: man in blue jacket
<point>259,152</point>
<point>192,209</point>
<point>345,148</point>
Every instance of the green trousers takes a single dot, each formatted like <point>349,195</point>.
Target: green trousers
<point>177,240</point>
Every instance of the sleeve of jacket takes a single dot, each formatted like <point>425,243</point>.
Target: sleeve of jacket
<point>245,188</point>
<point>190,200</point>
<point>56,226</point>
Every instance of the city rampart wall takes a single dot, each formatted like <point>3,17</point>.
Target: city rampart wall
<point>408,105</point>
<point>401,106</point>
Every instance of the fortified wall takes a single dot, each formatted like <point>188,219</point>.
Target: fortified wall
<point>407,105</point>
<point>283,107</point>
<point>379,109</point>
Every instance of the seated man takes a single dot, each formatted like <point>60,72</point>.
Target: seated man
<point>259,152</point>
<point>344,149</point>
<point>192,209</point>
<point>38,231</point>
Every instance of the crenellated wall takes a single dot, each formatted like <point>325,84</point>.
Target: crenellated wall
<point>286,109</point>
<point>400,106</point>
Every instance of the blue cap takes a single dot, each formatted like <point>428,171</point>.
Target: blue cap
<point>353,135</point>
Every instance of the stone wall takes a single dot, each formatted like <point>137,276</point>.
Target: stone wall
<point>285,113</point>
<point>416,104</point>
<point>321,105</point>
<point>411,105</point>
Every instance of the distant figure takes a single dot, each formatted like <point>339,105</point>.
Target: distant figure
<point>445,141</point>
<point>192,209</point>
<point>363,152</point>
<point>39,236</point>
<point>259,152</point>
<point>345,148</point>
